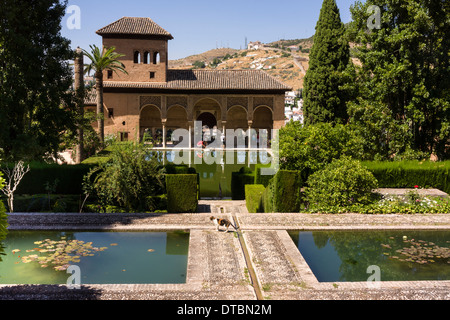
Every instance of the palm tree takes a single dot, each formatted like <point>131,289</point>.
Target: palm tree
<point>100,62</point>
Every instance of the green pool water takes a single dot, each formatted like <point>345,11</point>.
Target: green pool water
<point>341,256</point>
<point>119,258</point>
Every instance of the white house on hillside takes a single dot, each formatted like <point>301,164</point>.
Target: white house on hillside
<point>255,45</point>
<point>294,112</point>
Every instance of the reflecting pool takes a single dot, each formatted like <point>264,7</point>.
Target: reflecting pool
<point>341,256</point>
<point>42,257</point>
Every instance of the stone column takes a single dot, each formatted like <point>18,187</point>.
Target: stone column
<point>224,132</point>
<point>250,124</point>
<point>164,121</point>
<point>191,125</point>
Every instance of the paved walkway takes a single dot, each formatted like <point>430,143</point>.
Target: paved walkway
<point>219,269</point>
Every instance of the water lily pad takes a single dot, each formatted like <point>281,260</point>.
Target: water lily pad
<point>59,254</point>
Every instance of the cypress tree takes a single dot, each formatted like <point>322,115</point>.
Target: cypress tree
<point>324,99</point>
<point>403,105</point>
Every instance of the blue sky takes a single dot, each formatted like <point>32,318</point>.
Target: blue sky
<point>200,25</point>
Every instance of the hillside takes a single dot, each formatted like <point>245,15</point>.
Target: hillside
<point>207,57</point>
<point>276,59</point>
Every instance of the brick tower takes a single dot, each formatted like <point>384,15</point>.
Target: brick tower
<point>145,46</point>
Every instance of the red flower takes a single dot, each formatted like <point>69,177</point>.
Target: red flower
<point>417,187</point>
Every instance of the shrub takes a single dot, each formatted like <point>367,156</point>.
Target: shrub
<point>408,174</point>
<point>69,177</point>
<point>422,205</point>
<point>157,203</point>
<point>253,197</point>
<point>283,194</point>
<point>47,203</point>
<point>130,176</point>
<point>179,169</point>
<point>182,193</point>
<point>309,149</point>
<point>343,183</point>
<point>3,216</point>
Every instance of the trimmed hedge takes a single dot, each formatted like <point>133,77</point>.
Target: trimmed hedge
<point>3,223</point>
<point>260,179</point>
<point>182,193</point>
<point>46,203</point>
<point>408,174</point>
<point>99,158</point>
<point>253,197</point>
<point>67,178</point>
<point>283,194</point>
<point>238,182</point>
<point>179,169</point>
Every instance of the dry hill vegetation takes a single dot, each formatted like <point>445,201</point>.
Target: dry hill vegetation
<point>276,59</point>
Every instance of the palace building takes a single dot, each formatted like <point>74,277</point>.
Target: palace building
<point>153,100</point>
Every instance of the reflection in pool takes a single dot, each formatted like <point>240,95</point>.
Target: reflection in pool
<point>215,167</point>
<point>124,258</point>
<point>341,256</point>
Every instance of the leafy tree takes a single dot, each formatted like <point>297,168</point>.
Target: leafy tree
<point>14,176</point>
<point>342,183</point>
<point>105,60</point>
<point>199,65</point>
<point>324,99</point>
<point>128,180</point>
<point>403,81</point>
<point>310,148</point>
<point>91,141</point>
<point>36,100</point>
<point>215,63</point>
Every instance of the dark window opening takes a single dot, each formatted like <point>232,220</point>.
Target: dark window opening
<point>146,57</point>
<point>123,136</point>
<point>110,74</point>
<point>152,75</point>
<point>137,57</point>
<point>156,58</point>
<point>110,113</point>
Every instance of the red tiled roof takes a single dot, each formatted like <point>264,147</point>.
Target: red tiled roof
<point>134,26</point>
<point>209,80</point>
